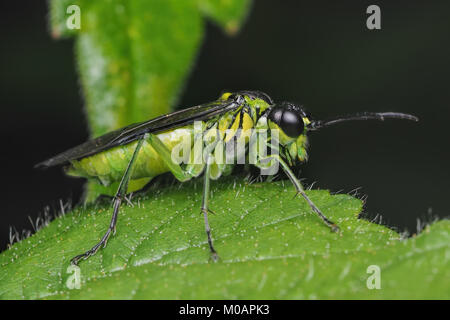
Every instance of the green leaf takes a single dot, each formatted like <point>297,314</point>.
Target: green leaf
<point>134,55</point>
<point>270,245</point>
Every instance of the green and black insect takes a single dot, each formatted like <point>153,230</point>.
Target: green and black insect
<point>134,155</point>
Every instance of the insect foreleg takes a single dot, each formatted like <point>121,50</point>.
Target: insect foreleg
<point>120,194</point>
<point>298,186</point>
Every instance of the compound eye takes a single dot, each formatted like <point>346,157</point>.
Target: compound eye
<point>276,114</point>
<point>291,123</point>
<point>288,118</point>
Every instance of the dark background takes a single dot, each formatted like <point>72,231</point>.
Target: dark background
<point>318,53</point>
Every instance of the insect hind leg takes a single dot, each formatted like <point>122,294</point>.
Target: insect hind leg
<point>118,198</point>
<point>205,210</point>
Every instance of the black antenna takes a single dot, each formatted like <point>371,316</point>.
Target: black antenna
<point>315,125</point>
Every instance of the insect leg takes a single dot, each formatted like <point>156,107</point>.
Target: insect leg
<point>184,175</point>
<point>298,186</point>
<point>120,194</point>
<point>205,209</point>
<point>164,153</point>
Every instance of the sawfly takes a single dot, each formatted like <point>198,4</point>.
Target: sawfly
<point>197,141</point>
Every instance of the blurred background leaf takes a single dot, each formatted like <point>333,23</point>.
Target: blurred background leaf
<point>133,56</point>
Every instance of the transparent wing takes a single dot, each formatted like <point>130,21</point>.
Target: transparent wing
<point>135,131</point>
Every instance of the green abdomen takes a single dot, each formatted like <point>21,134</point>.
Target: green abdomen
<point>109,166</point>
